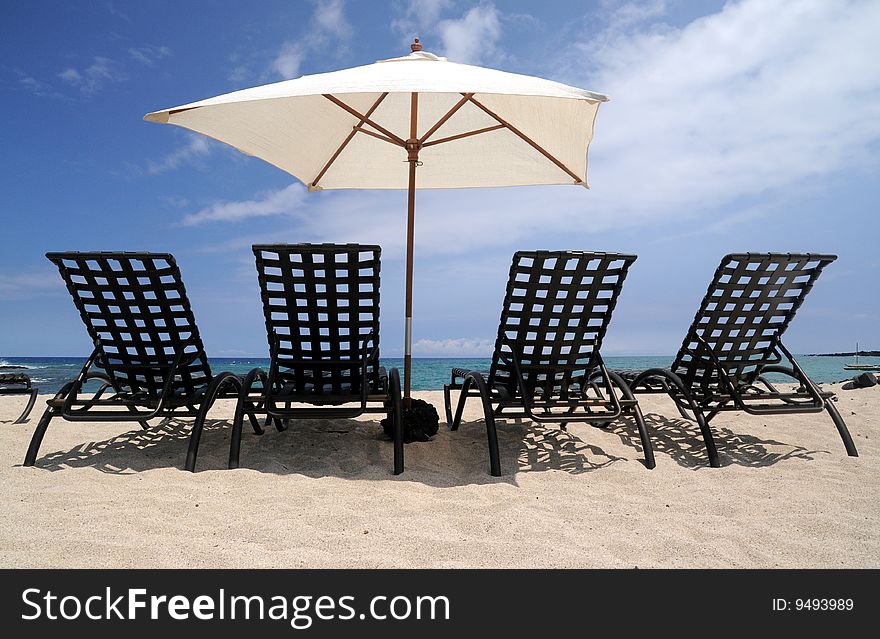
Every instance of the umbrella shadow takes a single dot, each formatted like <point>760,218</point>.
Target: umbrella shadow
<point>680,440</point>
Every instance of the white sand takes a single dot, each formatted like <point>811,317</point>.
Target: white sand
<point>322,495</point>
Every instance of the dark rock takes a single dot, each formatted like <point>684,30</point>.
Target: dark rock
<point>14,378</point>
<point>420,422</point>
<point>865,380</point>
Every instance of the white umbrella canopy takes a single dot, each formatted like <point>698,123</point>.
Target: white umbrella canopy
<point>371,127</point>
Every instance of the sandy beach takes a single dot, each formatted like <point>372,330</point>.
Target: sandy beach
<point>322,495</point>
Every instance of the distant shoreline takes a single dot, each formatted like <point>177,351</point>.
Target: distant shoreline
<point>847,354</point>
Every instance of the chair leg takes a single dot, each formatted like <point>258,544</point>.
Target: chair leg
<point>841,428</point>
<point>707,436</point>
<point>650,463</point>
<point>208,400</point>
<point>143,423</point>
<point>195,437</point>
<point>37,438</point>
<point>447,404</point>
<point>676,384</point>
<point>255,424</point>
<point>459,407</point>
<point>235,438</point>
<point>396,419</point>
<point>247,386</point>
<point>488,416</point>
<point>636,412</point>
<point>245,406</point>
<point>27,409</point>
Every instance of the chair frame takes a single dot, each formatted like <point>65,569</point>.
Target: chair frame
<point>575,386</point>
<point>19,384</point>
<point>760,292</point>
<point>126,319</point>
<point>273,394</point>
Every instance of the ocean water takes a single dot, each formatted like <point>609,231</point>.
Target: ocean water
<point>50,373</point>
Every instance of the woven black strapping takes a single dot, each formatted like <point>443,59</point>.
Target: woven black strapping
<point>748,306</point>
<point>135,308</point>
<point>320,301</point>
<point>555,314</point>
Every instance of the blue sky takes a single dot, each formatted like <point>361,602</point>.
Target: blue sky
<point>732,127</point>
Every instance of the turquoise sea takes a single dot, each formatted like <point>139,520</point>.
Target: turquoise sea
<point>50,373</point>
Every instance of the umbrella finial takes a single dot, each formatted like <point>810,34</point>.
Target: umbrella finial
<point>416,45</point>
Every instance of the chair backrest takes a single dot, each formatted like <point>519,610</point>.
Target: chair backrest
<point>749,304</point>
<point>137,313</point>
<point>555,314</point>
<point>320,301</point>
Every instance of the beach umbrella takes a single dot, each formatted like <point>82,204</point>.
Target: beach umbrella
<point>380,125</point>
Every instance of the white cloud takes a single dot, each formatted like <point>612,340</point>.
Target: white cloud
<point>115,11</point>
<point>472,38</point>
<point>279,202</point>
<point>419,16</point>
<point>196,148</point>
<point>32,84</point>
<point>632,14</point>
<point>71,76</point>
<point>758,99</point>
<point>453,347</point>
<point>289,58</point>
<point>330,18</point>
<point>36,86</point>
<point>91,79</point>
<point>17,286</point>
<point>328,23</point>
<point>149,54</point>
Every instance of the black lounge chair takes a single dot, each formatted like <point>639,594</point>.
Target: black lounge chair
<point>19,384</point>
<point>321,303</point>
<point>149,360</point>
<point>736,339</point>
<point>546,365</point>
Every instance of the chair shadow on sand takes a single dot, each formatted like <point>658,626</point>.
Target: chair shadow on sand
<point>162,445</point>
<point>679,440</point>
<point>345,448</point>
<point>538,448</point>
<point>348,448</point>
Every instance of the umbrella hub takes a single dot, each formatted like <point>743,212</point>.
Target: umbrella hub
<point>413,146</point>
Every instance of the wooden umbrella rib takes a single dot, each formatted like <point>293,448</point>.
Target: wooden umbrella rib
<point>363,118</point>
<point>465,135</point>
<point>373,134</point>
<point>526,139</point>
<point>348,138</point>
<point>442,121</point>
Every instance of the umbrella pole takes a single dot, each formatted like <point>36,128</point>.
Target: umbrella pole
<point>412,147</point>
<point>410,223</point>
